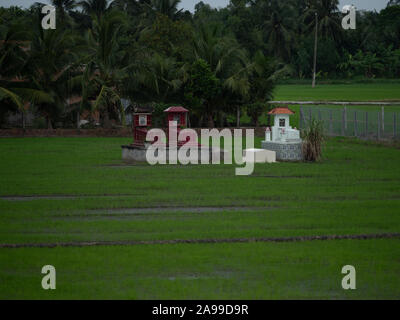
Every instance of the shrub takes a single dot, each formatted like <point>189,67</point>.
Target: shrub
<point>313,137</point>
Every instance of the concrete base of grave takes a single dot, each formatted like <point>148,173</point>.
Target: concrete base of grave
<point>203,155</point>
<point>285,151</point>
<point>259,156</point>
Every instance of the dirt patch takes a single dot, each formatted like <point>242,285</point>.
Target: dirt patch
<point>63,197</point>
<point>282,177</point>
<point>171,209</point>
<point>60,132</point>
<point>194,241</point>
<point>151,213</point>
<point>98,132</point>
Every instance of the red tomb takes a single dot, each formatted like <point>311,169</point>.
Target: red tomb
<point>141,122</point>
<point>178,114</point>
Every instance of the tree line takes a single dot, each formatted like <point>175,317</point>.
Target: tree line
<point>217,62</point>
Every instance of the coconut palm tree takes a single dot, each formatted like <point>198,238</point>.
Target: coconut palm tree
<point>166,7</point>
<point>328,18</point>
<point>163,77</point>
<point>393,3</point>
<point>106,68</point>
<point>51,68</point>
<point>63,8</point>
<point>279,28</point>
<point>16,92</point>
<point>12,57</point>
<point>95,7</point>
<point>133,7</point>
<point>262,77</point>
<point>221,52</point>
<point>227,60</point>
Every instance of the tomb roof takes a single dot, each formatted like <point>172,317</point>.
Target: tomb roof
<point>176,109</point>
<point>281,110</point>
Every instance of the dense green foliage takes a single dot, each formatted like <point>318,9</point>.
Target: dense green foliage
<point>148,50</point>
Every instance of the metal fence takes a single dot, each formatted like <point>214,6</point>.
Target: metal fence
<point>351,122</point>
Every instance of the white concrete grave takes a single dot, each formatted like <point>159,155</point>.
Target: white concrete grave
<point>259,155</point>
<point>282,138</point>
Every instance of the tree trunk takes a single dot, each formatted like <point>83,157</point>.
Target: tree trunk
<point>49,125</point>
<point>210,120</point>
<point>23,120</point>
<point>77,119</point>
<point>106,119</point>
<point>221,119</point>
<point>315,50</point>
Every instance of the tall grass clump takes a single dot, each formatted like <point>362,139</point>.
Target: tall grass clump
<point>313,138</point>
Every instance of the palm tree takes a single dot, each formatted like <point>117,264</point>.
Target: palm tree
<point>227,60</point>
<point>95,7</point>
<point>107,67</point>
<point>15,90</point>
<point>393,3</point>
<point>162,78</point>
<point>12,57</point>
<point>221,52</point>
<point>279,28</point>
<point>133,7</point>
<point>262,78</point>
<point>328,18</point>
<point>166,7</point>
<point>51,69</point>
<point>63,8</point>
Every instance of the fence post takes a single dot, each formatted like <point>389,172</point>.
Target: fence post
<point>345,118</point>
<point>379,125</point>
<point>301,118</point>
<point>383,120</point>
<point>330,122</point>
<point>310,114</point>
<point>23,119</point>
<point>355,123</point>
<point>394,125</point>
<point>343,122</point>
<point>366,124</point>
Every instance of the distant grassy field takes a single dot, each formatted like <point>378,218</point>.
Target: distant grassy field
<point>295,119</point>
<point>333,92</point>
<point>80,191</point>
<point>339,92</point>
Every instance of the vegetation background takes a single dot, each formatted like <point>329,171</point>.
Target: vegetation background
<point>217,62</point>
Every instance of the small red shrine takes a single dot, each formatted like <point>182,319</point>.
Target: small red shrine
<point>141,122</point>
<point>178,114</point>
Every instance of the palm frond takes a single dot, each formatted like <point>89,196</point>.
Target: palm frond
<point>5,93</point>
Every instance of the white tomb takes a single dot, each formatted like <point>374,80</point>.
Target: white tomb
<point>282,131</point>
<point>282,138</point>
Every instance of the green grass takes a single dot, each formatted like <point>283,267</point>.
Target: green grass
<point>354,190</point>
<point>339,92</point>
<point>309,270</point>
